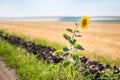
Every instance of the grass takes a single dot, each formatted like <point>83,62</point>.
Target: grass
<point>48,43</point>
<point>29,68</point>
<point>101,59</point>
<point>94,56</point>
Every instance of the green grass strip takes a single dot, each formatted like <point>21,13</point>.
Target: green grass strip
<point>27,66</point>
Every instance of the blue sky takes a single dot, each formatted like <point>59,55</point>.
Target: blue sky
<point>23,8</point>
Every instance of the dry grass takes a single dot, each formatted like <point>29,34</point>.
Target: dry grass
<point>101,38</point>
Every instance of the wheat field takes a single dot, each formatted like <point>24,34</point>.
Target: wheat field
<point>101,38</point>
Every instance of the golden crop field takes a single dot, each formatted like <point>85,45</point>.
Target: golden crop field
<point>101,38</point>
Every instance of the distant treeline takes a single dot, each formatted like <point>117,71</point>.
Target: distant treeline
<point>93,19</point>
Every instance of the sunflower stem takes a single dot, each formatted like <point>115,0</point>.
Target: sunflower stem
<point>74,31</point>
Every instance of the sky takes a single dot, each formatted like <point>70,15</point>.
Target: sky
<point>34,8</point>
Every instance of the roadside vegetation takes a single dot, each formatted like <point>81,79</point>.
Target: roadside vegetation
<point>27,66</point>
<point>72,67</point>
<point>30,68</point>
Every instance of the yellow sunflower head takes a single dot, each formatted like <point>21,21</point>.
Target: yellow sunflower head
<point>84,22</point>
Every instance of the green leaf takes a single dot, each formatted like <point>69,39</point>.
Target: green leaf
<point>78,36</point>
<point>76,58</point>
<point>77,31</point>
<point>70,30</point>
<point>72,72</point>
<point>59,51</point>
<point>65,49</point>
<point>72,42</point>
<point>66,37</point>
<point>78,46</point>
<point>67,64</point>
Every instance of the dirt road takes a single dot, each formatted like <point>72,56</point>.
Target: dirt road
<point>6,73</point>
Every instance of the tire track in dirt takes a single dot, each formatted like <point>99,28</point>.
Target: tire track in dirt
<point>7,73</point>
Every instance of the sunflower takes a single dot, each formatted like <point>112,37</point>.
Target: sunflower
<point>84,22</point>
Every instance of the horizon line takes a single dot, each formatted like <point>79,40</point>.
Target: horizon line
<point>50,16</point>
